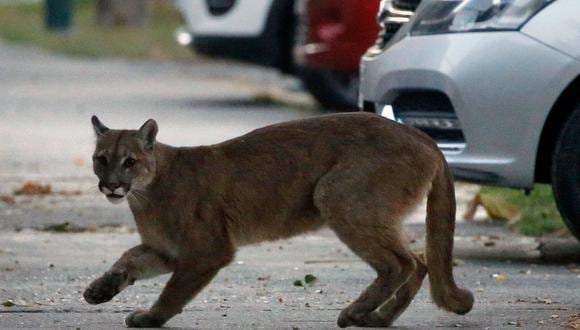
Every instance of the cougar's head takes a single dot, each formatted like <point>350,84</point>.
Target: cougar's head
<point>124,160</point>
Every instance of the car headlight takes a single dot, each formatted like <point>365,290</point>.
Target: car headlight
<point>452,16</point>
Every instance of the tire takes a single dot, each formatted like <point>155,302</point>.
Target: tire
<point>566,173</point>
<point>333,90</point>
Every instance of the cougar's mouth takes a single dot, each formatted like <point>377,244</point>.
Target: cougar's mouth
<point>115,199</point>
<point>116,196</point>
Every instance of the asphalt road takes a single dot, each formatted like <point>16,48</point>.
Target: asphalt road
<point>46,104</point>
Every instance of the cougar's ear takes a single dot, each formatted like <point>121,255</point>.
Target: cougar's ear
<point>100,129</point>
<point>148,132</point>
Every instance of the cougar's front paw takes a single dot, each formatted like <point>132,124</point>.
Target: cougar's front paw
<point>105,287</point>
<point>143,319</point>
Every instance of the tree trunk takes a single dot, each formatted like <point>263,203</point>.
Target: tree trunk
<point>121,12</point>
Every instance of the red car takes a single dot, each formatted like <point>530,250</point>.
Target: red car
<point>332,37</point>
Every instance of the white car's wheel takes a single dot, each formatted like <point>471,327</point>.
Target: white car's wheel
<point>566,173</point>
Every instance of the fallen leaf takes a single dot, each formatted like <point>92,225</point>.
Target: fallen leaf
<point>573,322</point>
<point>574,270</point>
<point>543,301</point>
<point>67,227</point>
<point>64,227</point>
<point>33,188</point>
<point>310,279</point>
<point>70,192</point>
<point>496,208</point>
<point>8,199</point>
<point>498,277</point>
<point>8,303</point>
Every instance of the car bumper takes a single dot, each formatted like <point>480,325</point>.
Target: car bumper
<point>501,86</point>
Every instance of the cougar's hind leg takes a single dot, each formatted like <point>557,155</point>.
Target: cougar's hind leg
<point>394,266</point>
<point>392,309</point>
<point>364,204</point>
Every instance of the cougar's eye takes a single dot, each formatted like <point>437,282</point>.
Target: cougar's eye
<point>129,162</point>
<point>102,160</point>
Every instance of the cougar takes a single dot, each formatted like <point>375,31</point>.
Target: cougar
<point>357,173</point>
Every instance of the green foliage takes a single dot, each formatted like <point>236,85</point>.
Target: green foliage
<point>23,23</point>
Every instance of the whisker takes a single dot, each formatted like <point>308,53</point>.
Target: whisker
<point>139,195</point>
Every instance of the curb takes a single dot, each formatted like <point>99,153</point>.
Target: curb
<point>520,249</point>
<point>560,250</point>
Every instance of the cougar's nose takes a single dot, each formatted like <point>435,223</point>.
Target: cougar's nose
<point>113,186</point>
<point>109,187</point>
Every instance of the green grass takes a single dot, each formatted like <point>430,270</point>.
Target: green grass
<point>539,213</point>
<point>23,23</point>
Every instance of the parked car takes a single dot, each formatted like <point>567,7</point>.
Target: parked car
<point>332,37</point>
<point>495,83</point>
<point>254,31</point>
<point>265,32</point>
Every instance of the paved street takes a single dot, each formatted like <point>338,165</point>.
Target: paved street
<point>47,101</point>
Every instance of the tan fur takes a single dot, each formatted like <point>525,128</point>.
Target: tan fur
<point>360,174</point>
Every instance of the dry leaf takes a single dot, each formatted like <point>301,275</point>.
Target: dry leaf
<point>8,199</point>
<point>33,188</point>
<point>310,279</point>
<point>8,303</point>
<point>496,208</point>
<point>67,227</point>
<point>498,277</point>
<point>70,192</point>
<point>573,323</point>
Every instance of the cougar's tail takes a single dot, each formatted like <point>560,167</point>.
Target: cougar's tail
<point>439,248</point>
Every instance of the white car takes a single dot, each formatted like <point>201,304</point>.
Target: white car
<point>495,83</point>
<point>262,32</point>
<point>255,31</point>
